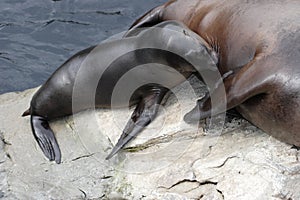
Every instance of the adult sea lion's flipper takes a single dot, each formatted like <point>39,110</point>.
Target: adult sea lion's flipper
<point>45,138</point>
<point>143,114</point>
<point>149,19</point>
<point>237,87</point>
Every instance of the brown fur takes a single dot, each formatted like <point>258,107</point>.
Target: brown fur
<point>259,42</point>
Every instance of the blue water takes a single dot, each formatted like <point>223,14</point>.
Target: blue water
<point>36,37</point>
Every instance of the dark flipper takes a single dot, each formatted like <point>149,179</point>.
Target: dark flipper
<point>143,114</point>
<point>45,138</point>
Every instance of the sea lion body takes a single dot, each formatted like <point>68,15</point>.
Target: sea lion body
<point>89,77</point>
<point>258,43</point>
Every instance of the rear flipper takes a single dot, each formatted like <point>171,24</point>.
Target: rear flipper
<point>143,114</point>
<point>45,138</point>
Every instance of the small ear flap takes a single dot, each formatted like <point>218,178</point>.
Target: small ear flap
<point>45,138</point>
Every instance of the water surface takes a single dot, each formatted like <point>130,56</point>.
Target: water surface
<point>36,37</point>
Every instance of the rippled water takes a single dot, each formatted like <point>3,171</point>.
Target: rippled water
<point>37,36</point>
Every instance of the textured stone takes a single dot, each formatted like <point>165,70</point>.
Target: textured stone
<point>169,160</point>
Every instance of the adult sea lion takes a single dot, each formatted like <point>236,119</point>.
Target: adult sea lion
<point>89,78</point>
<point>258,45</point>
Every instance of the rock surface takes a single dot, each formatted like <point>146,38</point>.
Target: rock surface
<point>169,160</point>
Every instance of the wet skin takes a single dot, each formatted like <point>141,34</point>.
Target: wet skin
<point>258,44</point>
<point>88,78</point>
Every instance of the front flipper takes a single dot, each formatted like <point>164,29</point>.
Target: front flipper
<point>237,87</point>
<point>143,114</point>
<point>45,138</point>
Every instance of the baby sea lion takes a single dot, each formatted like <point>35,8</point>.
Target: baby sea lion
<point>88,79</point>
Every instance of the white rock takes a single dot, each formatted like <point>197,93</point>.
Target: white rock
<point>173,160</point>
